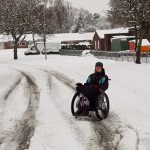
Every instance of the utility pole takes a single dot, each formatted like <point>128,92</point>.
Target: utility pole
<point>43,4</point>
<point>45,34</point>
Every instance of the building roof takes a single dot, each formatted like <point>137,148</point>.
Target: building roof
<point>54,37</point>
<point>71,37</point>
<point>101,33</point>
<point>30,38</point>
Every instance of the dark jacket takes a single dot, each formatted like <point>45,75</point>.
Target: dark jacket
<point>98,80</point>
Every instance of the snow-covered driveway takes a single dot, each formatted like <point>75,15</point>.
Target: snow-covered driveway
<point>35,100</point>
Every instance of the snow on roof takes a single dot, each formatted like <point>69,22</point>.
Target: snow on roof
<point>145,42</point>
<point>101,33</point>
<point>54,37</point>
<point>30,38</point>
<point>71,37</point>
<point>84,43</point>
<point>122,36</point>
<point>5,38</point>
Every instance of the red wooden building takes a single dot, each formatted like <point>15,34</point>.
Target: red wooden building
<point>102,38</point>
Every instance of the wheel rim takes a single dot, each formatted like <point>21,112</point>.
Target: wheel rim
<point>78,103</point>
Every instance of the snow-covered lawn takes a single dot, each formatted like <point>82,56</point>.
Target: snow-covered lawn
<point>35,100</point>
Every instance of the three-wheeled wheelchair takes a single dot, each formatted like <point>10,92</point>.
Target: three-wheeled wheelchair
<point>101,107</point>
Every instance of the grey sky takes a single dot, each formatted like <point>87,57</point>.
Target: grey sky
<point>91,5</point>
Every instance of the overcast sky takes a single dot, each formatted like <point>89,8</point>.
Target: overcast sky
<point>91,5</point>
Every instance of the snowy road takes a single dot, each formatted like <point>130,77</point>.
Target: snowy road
<point>55,84</point>
<point>35,106</point>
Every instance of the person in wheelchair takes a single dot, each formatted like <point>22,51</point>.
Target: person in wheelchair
<point>96,83</point>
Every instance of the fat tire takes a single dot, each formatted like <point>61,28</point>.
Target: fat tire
<point>73,103</point>
<point>97,111</point>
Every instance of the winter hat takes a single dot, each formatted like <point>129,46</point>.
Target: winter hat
<point>100,64</point>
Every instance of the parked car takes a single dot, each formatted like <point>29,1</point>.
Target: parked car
<point>49,51</point>
<point>32,51</point>
<point>51,47</point>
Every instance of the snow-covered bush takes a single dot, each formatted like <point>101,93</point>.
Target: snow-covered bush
<point>86,53</point>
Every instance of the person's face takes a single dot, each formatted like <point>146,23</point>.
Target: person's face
<point>98,69</point>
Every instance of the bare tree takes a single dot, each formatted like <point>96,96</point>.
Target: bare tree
<point>84,21</point>
<point>131,12</point>
<point>15,19</point>
<point>64,15</point>
<point>100,22</point>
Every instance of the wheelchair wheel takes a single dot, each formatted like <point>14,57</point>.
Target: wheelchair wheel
<point>76,103</point>
<point>102,106</point>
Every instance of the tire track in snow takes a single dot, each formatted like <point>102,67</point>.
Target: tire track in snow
<point>12,88</point>
<point>8,93</point>
<point>62,78</point>
<point>24,129</point>
<point>64,115</point>
<point>137,135</point>
<point>5,136</point>
<point>27,125</point>
<point>109,139</point>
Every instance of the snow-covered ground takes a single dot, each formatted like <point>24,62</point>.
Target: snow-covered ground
<point>35,99</point>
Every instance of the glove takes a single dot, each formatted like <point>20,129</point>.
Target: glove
<point>79,84</point>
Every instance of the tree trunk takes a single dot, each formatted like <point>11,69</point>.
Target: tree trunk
<point>138,51</point>
<point>15,51</point>
<point>136,38</point>
<point>34,42</point>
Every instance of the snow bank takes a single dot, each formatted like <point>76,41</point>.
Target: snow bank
<point>87,53</point>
